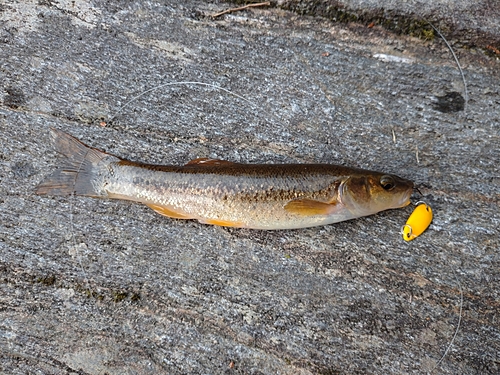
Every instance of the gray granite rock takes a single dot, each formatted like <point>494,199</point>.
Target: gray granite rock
<point>109,287</point>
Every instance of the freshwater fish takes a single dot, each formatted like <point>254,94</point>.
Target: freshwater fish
<point>220,192</point>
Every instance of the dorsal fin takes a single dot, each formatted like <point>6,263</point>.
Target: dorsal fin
<point>208,162</point>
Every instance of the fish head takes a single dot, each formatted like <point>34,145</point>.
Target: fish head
<point>369,193</point>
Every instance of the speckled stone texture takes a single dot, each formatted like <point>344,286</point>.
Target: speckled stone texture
<point>109,287</point>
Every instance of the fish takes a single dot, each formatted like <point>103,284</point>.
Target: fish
<point>225,193</point>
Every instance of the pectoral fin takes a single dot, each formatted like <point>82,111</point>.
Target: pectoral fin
<point>169,211</point>
<point>207,162</point>
<point>310,207</point>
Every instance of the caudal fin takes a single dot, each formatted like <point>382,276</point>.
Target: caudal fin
<point>78,172</point>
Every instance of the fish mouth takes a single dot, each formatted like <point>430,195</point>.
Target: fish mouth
<point>408,195</point>
<point>405,201</point>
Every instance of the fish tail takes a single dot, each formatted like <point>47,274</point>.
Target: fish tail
<point>79,172</point>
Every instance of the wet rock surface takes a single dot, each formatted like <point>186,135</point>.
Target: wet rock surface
<point>108,287</point>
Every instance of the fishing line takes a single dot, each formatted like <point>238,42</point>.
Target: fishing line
<point>466,99</point>
<point>187,83</point>
<point>78,257</point>
<point>466,94</point>
<point>72,228</point>
<point>458,325</point>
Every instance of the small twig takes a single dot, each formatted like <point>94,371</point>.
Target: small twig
<point>265,3</point>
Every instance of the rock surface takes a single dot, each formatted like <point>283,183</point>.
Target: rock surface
<point>464,23</point>
<point>109,287</point>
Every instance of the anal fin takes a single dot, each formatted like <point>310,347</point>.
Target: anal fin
<point>179,214</point>
<point>223,223</point>
<point>169,211</point>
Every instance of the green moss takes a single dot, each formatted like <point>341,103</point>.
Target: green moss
<point>92,294</point>
<point>345,17</point>
<point>108,295</point>
<point>119,296</point>
<point>390,20</point>
<point>330,372</point>
<point>47,280</point>
<point>135,297</point>
<point>428,34</point>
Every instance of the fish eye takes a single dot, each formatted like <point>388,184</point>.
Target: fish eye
<point>387,183</point>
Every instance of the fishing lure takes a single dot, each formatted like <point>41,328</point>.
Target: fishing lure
<point>418,222</point>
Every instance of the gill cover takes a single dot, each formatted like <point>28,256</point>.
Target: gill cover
<point>368,194</point>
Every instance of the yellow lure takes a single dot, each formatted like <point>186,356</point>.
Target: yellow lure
<point>418,222</point>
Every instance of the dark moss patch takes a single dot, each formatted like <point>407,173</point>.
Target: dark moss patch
<point>450,102</point>
<point>23,169</point>
<point>15,98</point>
<point>47,280</point>
<point>108,295</point>
<point>119,296</point>
<point>330,371</point>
